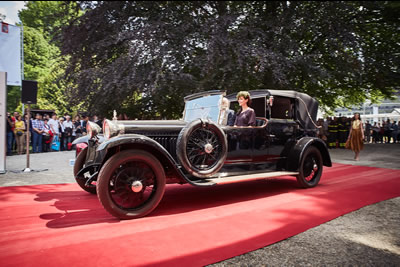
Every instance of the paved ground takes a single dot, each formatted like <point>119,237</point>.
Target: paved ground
<point>367,237</point>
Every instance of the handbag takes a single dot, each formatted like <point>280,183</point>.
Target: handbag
<point>347,145</point>
<point>55,144</point>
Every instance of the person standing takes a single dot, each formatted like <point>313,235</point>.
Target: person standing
<point>20,134</point>
<point>38,128</point>
<point>77,126</point>
<point>375,133</point>
<point>332,136</point>
<point>342,132</point>
<point>368,129</point>
<point>68,128</point>
<point>28,120</point>
<point>10,134</point>
<point>395,132</point>
<point>14,141</point>
<point>54,124</point>
<point>398,131</point>
<point>62,133</point>
<point>47,136</point>
<point>387,132</point>
<point>84,122</point>
<point>355,140</point>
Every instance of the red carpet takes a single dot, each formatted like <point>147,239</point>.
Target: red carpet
<point>61,225</point>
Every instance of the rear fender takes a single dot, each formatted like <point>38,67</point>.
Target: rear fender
<point>298,149</point>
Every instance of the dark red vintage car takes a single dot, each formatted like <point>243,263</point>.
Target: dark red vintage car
<point>130,166</point>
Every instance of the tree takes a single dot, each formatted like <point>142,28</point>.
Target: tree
<point>334,51</point>
<point>42,60</point>
<point>48,17</point>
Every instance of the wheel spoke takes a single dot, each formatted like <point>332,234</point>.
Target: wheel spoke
<point>121,191</point>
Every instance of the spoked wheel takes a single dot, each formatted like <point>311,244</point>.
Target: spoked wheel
<point>202,148</point>
<point>131,184</point>
<point>310,169</point>
<point>82,179</point>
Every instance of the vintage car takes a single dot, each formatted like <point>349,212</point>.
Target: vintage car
<point>130,166</point>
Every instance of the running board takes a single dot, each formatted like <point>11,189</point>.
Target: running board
<point>250,177</point>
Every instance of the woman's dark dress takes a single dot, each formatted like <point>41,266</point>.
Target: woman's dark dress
<point>246,118</point>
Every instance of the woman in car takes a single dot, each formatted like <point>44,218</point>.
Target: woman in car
<point>246,115</point>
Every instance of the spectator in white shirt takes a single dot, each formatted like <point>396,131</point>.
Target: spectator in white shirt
<point>54,124</point>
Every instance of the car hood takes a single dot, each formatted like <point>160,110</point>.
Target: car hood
<point>140,126</point>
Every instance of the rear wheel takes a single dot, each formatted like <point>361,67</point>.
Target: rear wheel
<point>131,184</point>
<point>81,179</point>
<point>310,169</point>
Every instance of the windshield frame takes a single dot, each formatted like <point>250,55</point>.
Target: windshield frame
<point>205,106</point>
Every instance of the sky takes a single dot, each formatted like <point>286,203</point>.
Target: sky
<point>10,9</point>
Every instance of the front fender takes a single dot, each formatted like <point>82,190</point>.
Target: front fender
<point>82,139</point>
<point>137,141</point>
<point>298,149</point>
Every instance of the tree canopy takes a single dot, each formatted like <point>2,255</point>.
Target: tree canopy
<point>41,21</point>
<point>142,57</point>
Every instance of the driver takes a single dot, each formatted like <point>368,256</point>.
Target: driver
<point>246,115</point>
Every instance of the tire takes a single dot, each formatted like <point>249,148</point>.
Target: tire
<point>202,148</point>
<point>310,169</point>
<point>79,162</point>
<point>122,175</point>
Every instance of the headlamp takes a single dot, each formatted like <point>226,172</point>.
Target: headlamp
<point>110,129</point>
<point>92,129</point>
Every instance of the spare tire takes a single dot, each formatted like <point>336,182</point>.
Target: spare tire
<point>201,148</point>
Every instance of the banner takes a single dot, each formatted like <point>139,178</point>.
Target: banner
<point>10,53</point>
<point>3,121</point>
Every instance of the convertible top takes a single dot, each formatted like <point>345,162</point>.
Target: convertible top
<point>306,106</point>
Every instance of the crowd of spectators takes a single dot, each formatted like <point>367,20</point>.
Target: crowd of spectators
<point>43,130</point>
<point>335,131</point>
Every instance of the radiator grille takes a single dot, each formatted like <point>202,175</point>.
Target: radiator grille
<point>169,143</point>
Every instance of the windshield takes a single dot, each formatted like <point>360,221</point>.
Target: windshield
<point>206,107</point>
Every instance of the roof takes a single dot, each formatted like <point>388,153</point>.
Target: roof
<point>307,107</point>
<point>269,92</point>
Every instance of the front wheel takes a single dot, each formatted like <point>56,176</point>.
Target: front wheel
<point>81,179</point>
<point>310,169</point>
<point>131,184</point>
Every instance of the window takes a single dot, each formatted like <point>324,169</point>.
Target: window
<point>282,108</point>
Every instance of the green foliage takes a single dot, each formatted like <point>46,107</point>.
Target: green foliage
<point>13,99</point>
<point>143,57</point>
<point>39,55</point>
<point>42,60</point>
<point>47,16</point>
<point>342,53</point>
